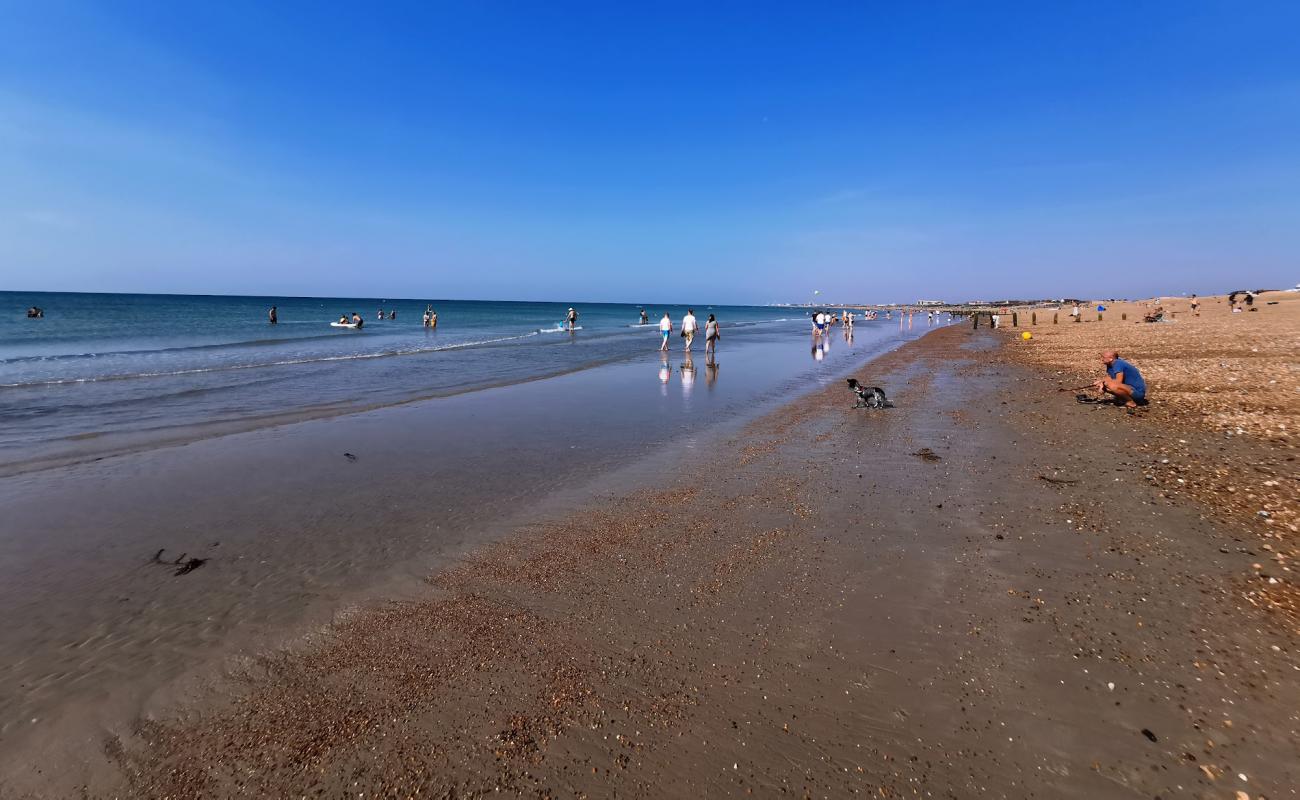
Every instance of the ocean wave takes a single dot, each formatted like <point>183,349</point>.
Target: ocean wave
<point>158,350</point>
<point>264,365</point>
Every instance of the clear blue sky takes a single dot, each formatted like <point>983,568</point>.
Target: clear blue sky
<point>745,152</point>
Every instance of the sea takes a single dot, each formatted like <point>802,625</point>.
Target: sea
<point>104,372</point>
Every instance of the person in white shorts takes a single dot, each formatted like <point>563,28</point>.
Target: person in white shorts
<point>688,327</point>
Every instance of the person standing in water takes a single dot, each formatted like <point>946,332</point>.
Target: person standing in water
<point>271,315</point>
<point>645,318</point>
<point>571,318</point>
<point>428,312</point>
<point>688,328</point>
<point>711,335</point>
<point>433,319</point>
<point>665,330</point>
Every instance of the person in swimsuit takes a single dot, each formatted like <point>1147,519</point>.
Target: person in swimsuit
<point>665,330</point>
<point>572,319</point>
<point>271,315</point>
<point>357,320</point>
<point>645,318</point>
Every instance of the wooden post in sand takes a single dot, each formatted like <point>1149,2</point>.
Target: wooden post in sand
<point>1099,316</point>
<point>1033,318</point>
<point>975,321</point>
<point>1054,315</point>
<point>1015,319</point>
<point>1123,317</point>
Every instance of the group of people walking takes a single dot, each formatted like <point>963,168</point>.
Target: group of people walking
<point>690,326</point>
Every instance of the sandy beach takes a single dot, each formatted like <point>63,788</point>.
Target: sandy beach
<point>989,590</point>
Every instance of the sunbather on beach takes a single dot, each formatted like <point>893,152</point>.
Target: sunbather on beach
<point>1122,380</point>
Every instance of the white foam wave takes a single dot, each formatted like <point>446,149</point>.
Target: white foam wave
<point>263,365</point>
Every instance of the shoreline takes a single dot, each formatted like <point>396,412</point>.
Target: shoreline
<point>294,532</point>
<point>819,611</point>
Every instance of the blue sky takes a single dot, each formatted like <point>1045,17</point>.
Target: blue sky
<point>734,152</point>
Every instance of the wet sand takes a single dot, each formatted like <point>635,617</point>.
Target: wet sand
<point>810,608</point>
<point>295,534</point>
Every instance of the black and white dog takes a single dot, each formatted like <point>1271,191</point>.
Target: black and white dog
<point>869,396</point>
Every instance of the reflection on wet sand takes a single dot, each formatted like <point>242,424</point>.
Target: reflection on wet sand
<point>710,370</point>
<point>821,347</point>
<point>688,373</point>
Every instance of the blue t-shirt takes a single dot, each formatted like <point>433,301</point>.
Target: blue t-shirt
<point>1131,377</point>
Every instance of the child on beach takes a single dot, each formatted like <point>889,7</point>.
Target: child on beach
<point>665,330</point>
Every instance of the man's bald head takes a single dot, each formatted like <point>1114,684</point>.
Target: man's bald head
<point>1109,356</point>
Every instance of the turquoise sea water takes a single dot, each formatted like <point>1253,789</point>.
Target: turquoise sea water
<point>152,366</point>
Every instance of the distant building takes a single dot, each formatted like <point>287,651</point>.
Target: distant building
<point>930,303</point>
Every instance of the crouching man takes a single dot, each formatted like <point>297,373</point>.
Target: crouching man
<point>1122,381</point>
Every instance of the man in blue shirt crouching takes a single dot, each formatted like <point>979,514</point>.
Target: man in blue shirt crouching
<point>1122,380</point>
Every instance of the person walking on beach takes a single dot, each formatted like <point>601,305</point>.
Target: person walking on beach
<point>1122,380</point>
<point>1196,307</point>
<point>689,326</point>
<point>272,316</point>
<point>571,318</point>
<point>1074,312</point>
<point>665,330</point>
<point>711,335</point>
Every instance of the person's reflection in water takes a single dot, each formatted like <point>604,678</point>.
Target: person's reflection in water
<point>848,334</point>
<point>688,374</point>
<point>710,370</point>
<point>665,372</point>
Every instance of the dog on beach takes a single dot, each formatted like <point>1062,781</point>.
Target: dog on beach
<point>869,396</point>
